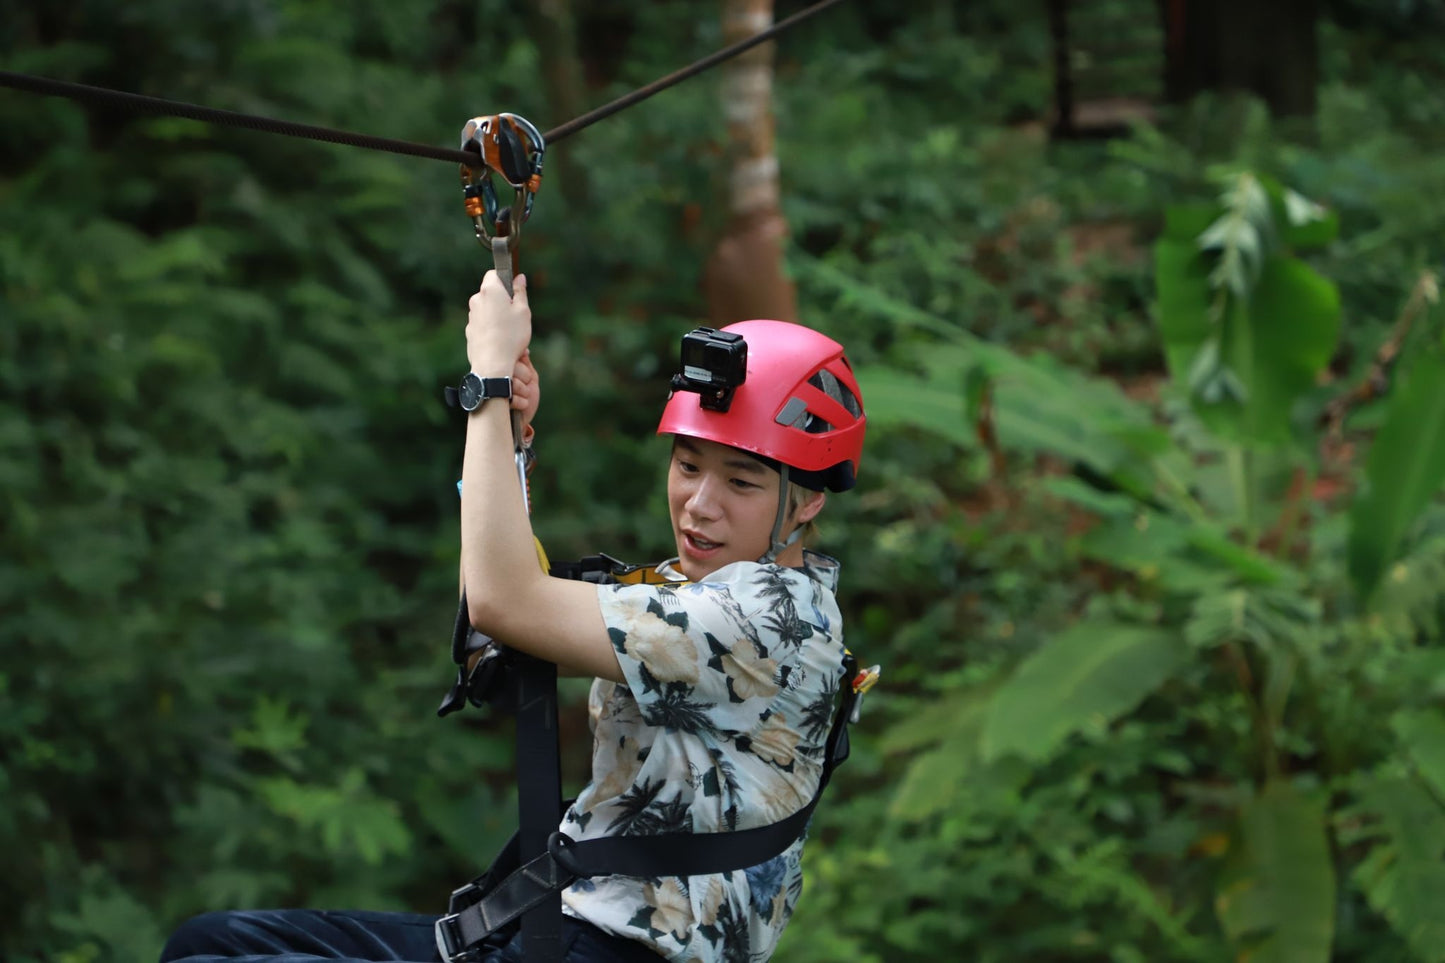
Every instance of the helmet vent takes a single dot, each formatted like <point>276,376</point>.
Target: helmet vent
<point>828,383</point>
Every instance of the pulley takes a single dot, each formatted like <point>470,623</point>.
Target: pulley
<point>510,146</point>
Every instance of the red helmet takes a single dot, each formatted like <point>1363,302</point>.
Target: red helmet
<point>798,405</point>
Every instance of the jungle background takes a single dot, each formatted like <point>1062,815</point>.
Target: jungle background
<point>1147,538</point>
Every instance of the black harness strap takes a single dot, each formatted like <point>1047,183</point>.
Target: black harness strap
<point>539,797</point>
<point>487,904</point>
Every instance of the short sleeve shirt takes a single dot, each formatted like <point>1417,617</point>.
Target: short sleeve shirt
<point>730,691</point>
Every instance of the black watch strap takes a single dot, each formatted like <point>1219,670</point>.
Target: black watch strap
<point>474,390</point>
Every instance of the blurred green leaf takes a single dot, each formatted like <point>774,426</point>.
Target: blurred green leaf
<point>1403,874</point>
<point>1422,736</point>
<point>1288,338</point>
<point>1404,470</point>
<point>1083,678</point>
<point>1277,888</point>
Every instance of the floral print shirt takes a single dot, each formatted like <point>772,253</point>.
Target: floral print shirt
<point>731,688</point>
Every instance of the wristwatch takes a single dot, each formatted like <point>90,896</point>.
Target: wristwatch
<point>474,390</point>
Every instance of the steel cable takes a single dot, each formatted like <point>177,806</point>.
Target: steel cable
<point>211,115</point>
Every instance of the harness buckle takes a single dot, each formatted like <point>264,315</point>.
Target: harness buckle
<point>451,944</point>
<point>465,897</point>
<point>449,940</point>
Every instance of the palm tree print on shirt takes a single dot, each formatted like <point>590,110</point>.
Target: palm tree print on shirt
<point>777,586</point>
<point>675,710</point>
<point>643,814</point>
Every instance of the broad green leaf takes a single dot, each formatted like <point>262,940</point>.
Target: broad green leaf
<point>1245,562</point>
<point>935,778</point>
<point>1085,677</point>
<point>1180,554</point>
<point>1038,406</point>
<point>899,398</point>
<point>934,720</point>
<point>1276,899</point>
<point>1272,348</point>
<point>1248,367</point>
<point>1422,736</point>
<point>1103,504</point>
<point>1403,472</point>
<point>1288,336</point>
<point>1403,877</point>
<point>1088,423</point>
<point>1185,222</point>
<point>1181,277</point>
<point>1148,545</point>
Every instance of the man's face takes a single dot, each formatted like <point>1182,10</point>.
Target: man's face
<point>722,502</point>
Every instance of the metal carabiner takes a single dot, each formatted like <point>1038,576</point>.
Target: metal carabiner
<point>511,146</point>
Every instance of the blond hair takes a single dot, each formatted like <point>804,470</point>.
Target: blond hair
<point>797,497</point>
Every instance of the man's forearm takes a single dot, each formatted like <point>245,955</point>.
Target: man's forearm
<point>498,555</point>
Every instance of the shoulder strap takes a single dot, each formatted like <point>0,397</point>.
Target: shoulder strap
<point>539,795</point>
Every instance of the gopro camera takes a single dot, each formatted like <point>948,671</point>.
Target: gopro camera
<point>714,363</point>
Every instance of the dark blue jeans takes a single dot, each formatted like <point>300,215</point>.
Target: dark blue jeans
<point>304,936</point>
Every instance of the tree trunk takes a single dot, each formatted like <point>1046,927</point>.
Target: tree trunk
<point>744,277</point>
<point>1266,48</point>
<point>553,28</point>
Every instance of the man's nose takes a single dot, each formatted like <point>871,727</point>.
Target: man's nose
<point>703,502</point>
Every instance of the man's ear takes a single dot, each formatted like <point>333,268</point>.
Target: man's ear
<point>810,508</point>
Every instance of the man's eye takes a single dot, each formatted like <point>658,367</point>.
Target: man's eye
<point>686,466</point>
<point>742,483</point>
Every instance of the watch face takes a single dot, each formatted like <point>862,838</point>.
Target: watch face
<point>469,393</point>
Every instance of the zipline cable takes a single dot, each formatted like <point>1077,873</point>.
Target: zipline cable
<point>228,118</point>
<point>662,83</point>
<point>211,115</point>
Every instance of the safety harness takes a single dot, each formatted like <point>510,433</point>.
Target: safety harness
<point>525,881</point>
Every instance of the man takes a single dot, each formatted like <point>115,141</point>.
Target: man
<point>714,693</point>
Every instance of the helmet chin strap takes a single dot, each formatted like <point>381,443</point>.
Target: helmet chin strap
<point>776,544</point>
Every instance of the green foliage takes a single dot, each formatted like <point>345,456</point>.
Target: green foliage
<point>1276,899</point>
<point>1250,333</point>
<point>1087,675</point>
<point>1404,471</point>
<point>1224,611</point>
<point>1125,669</point>
<point>1402,875</point>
